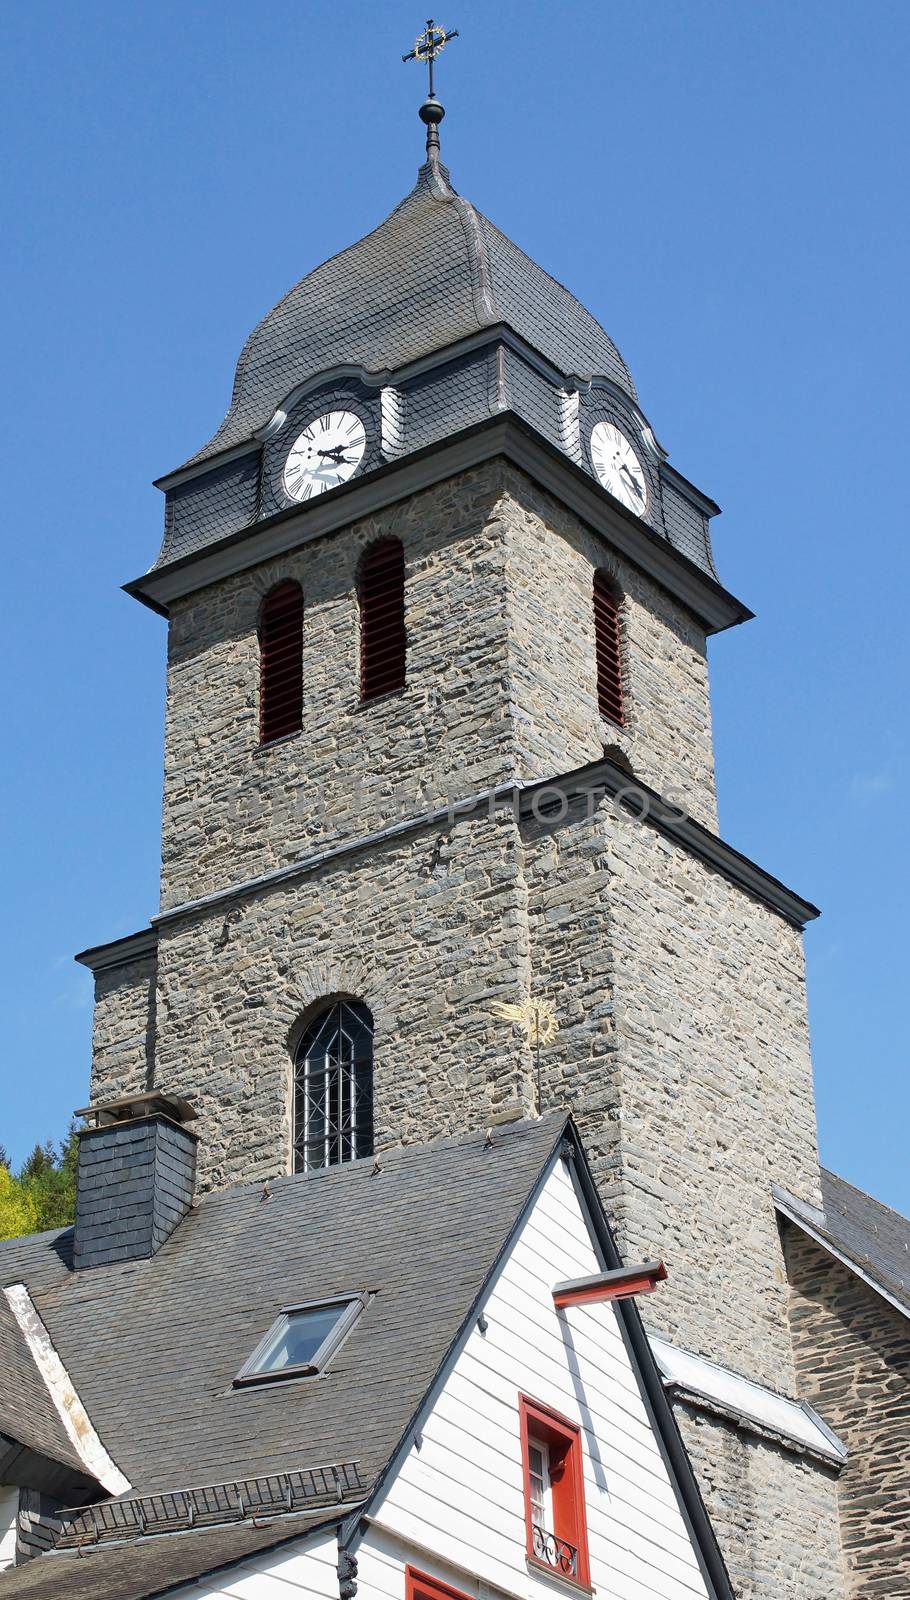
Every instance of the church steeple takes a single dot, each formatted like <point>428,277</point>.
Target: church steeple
<point>439,742</point>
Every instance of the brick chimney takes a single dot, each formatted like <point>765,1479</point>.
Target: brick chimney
<point>135,1178</point>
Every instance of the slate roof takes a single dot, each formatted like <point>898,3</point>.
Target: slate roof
<point>152,1346</point>
<point>147,1567</point>
<point>872,1237</point>
<point>27,1412</point>
<point>434,272</point>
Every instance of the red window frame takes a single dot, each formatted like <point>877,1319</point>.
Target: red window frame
<point>608,648</point>
<point>567,1477</point>
<point>418,1586</point>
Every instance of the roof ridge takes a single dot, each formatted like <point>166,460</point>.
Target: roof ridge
<point>482,290</point>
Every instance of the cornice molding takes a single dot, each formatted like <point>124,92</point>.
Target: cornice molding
<point>507,436</point>
<point>668,819</point>
<point>600,778</point>
<point>119,952</point>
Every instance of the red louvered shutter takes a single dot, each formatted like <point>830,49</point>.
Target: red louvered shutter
<point>281,662</point>
<point>382,634</point>
<point>607,646</point>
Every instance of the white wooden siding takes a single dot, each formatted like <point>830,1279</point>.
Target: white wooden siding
<point>456,1507</point>
<point>9,1511</point>
<point>295,1572</point>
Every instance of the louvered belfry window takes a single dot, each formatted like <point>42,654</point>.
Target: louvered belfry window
<point>608,646</point>
<point>281,662</point>
<point>383,644</point>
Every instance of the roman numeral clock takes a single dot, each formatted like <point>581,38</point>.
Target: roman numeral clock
<point>326,453</point>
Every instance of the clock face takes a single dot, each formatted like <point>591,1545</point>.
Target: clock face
<point>618,467</point>
<point>326,453</point>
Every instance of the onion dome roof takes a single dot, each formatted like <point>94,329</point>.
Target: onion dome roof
<point>434,272</point>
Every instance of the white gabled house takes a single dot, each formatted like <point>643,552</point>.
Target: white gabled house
<point>459,1318</point>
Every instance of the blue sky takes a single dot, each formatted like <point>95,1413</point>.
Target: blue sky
<point>720,182</point>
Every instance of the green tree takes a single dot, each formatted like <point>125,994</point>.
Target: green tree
<point>43,1192</point>
<point>18,1208</point>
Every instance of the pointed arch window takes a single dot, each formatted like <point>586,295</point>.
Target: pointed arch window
<point>281,662</point>
<point>608,647</point>
<point>383,642</point>
<point>333,1087</point>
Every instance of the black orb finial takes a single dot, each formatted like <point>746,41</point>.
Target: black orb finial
<point>426,48</point>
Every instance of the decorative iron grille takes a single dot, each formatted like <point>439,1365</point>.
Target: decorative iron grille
<point>333,1088</point>
<point>557,1553</point>
<point>248,1498</point>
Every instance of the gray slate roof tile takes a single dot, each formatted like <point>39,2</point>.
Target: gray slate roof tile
<point>873,1236</point>
<point>27,1412</point>
<point>152,1346</point>
<point>435,271</point>
<point>147,1567</point>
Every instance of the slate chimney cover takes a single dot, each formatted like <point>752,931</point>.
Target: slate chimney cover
<point>135,1178</point>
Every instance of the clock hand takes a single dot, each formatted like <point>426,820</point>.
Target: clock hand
<point>633,482</point>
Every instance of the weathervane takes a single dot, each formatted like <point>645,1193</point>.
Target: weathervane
<point>427,47</point>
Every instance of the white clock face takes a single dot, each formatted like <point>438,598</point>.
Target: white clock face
<point>618,467</point>
<point>326,453</point>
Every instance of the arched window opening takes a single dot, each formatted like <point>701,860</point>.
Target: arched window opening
<point>608,647</point>
<point>281,662</point>
<point>383,643</point>
<point>333,1087</point>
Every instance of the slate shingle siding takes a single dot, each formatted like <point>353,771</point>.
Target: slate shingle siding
<point>135,1183</point>
<point>686,526</point>
<point>433,272</point>
<point>853,1359</point>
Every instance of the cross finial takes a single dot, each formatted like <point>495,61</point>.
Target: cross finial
<point>427,47</point>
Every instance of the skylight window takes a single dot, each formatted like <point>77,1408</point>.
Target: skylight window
<point>302,1340</point>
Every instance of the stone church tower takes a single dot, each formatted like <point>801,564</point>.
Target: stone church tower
<point>439,743</point>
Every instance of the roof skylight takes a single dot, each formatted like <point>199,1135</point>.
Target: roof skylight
<point>302,1340</point>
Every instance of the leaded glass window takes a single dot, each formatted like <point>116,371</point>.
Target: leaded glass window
<point>333,1087</point>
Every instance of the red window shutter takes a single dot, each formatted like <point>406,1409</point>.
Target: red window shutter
<point>281,662</point>
<point>607,644</point>
<point>566,1549</point>
<point>383,642</point>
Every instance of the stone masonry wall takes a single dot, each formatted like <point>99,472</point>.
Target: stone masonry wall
<point>429,932</point>
<point>500,681</point>
<point>682,1046</point>
<point>853,1358</point>
<point>123,1030</point>
<point>234,809</point>
<point>666,734</point>
<point>774,1513</point>
<point>683,1049</point>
